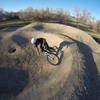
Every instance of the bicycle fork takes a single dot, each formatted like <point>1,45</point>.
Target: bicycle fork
<point>49,55</point>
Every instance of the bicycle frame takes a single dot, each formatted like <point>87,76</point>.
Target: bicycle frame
<point>49,55</point>
<point>52,57</point>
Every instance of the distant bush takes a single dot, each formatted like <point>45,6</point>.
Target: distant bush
<point>44,15</point>
<point>4,15</point>
<point>98,26</point>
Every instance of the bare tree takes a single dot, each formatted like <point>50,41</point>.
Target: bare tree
<point>97,26</point>
<point>92,23</point>
<point>67,16</point>
<point>21,15</point>
<point>27,14</point>
<point>2,14</point>
<point>77,14</point>
<point>85,16</point>
<point>62,16</point>
<point>44,14</point>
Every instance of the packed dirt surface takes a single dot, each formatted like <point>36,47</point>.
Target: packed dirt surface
<point>26,75</point>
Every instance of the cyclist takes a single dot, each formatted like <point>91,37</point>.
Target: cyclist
<point>43,44</point>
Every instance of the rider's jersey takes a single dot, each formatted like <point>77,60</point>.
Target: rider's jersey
<point>33,40</point>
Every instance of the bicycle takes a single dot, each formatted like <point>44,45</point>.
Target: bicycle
<point>52,56</point>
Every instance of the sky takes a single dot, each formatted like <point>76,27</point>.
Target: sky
<point>93,6</point>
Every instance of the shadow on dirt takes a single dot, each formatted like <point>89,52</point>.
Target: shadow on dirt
<point>97,40</point>
<point>63,44</point>
<point>12,82</point>
<point>20,41</point>
<point>11,28</point>
<point>38,27</point>
<point>59,53</point>
<point>0,38</point>
<point>89,77</point>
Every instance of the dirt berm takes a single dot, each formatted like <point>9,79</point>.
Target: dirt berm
<point>25,75</point>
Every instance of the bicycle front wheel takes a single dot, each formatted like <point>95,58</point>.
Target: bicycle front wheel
<point>53,59</point>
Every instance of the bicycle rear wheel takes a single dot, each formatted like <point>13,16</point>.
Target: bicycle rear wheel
<point>53,59</point>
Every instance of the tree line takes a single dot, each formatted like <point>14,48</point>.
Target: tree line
<point>78,16</point>
<point>5,15</point>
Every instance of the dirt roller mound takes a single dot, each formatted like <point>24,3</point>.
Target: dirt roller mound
<point>26,75</point>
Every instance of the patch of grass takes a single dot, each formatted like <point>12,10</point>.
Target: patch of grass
<point>85,28</point>
<point>13,22</point>
<point>94,35</point>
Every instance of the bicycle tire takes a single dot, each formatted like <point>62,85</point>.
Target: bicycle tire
<point>54,60</point>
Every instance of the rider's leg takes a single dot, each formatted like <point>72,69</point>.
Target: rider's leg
<point>50,49</point>
<point>41,45</point>
<point>45,44</point>
<point>36,45</point>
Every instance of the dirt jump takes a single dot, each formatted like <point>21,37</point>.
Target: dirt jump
<point>25,75</point>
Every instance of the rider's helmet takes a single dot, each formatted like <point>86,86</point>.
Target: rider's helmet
<point>33,40</point>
